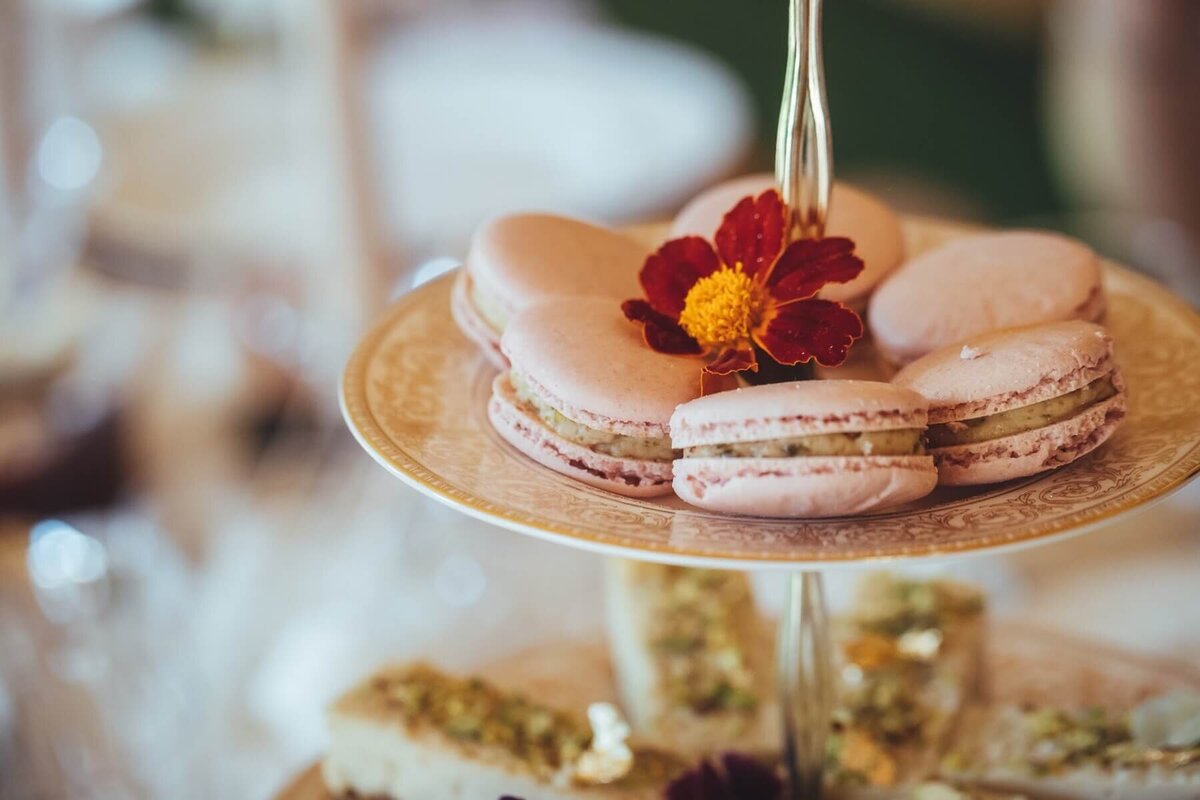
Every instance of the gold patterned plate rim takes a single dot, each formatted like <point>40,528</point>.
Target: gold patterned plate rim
<point>414,395</point>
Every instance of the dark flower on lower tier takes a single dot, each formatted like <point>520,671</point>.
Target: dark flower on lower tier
<point>731,777</point>
<point>748,290</point>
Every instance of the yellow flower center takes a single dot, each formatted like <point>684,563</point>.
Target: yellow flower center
<point>720,309</point>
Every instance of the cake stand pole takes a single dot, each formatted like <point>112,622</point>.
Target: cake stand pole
<point>803,146</point>
<point>805,684</point>
<point>804,172</point>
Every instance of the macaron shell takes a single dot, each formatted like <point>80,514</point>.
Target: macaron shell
<point>628,477</point>
<point>802,408</point>
<point>803,487</point>
<point>473,326</point>
<point>875,228</point>
<point>998,371</point>
<point>1025,454</point>
<point>523,258</point>
<point>982,283</point>
<point>585,359</point>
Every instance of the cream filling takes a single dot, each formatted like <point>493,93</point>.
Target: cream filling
<point>656,448</point>
<point>492,312</point>
<point>904,442</point>
<point>1021,420</point>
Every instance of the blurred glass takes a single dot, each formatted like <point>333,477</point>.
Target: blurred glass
<point>48,158</point>
<point>58,419</point>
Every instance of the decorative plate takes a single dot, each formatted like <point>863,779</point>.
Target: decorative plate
<point>415,393</point>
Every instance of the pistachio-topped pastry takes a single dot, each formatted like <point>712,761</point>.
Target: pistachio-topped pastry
<point>1151,752</point>
<point>892,606</point>
<point>911,653</point>
<point>413,731</point>
<point>692,656</point>
<point>472,711</point>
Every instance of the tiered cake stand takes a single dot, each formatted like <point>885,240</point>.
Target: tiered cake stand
<point>415,394</point>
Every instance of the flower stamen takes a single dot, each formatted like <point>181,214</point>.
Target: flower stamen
<point>721,308</point>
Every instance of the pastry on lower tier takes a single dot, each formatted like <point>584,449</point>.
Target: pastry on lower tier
<point>412,732</point>
<point>1085,754</point>
<point>912,655</point>
<point>694,664</point>
<point>586,397</point>
<point>692,657</point>
<point>805,449</point>
<point>517,260</point>
<point>1014,403</point>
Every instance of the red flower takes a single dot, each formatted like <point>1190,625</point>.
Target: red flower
<point>748,290</point>
<point>731,776</point>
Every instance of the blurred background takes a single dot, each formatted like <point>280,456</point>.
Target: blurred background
<point>202,203</point>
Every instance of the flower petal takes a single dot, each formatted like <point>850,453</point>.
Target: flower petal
<point>807,329</point>
<point>808,264</point>
<point>673,270</point>
<point>701,783</point>
<point>734,359</point>
<point>747,778</point>
<point>661,333</point>
<point>732,777</point>
<point>752,233</point>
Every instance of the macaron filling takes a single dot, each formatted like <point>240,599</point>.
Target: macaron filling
<point>492,312</point>
<point>1021,420</point>
<point>656,448</point>
<point>902,442</point>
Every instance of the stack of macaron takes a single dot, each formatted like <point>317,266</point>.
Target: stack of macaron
<point>515,261</point>
<point>981,283</point>
<point>803,449</point>
<point>1003,372</point>
<point>584,395</point>
<point>1016,402</point>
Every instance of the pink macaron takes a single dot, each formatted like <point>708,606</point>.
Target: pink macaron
<point>1014,403</point>
<point>586,397</point>
<point>515,261</point>
<point>806,449</point>
<point>875,229</point>
<point>983,283</point>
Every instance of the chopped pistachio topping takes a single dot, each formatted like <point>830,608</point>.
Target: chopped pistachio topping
<point>472,710</point>
<point>893,606</point>
<point>1020,420</point>
<point>897,633</point>
<point>856,443</point>
<point>700,634</point>
<point>1061,740</point>
<point>549,742</point>
<point>614,444</point>
<point>883,705</point>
